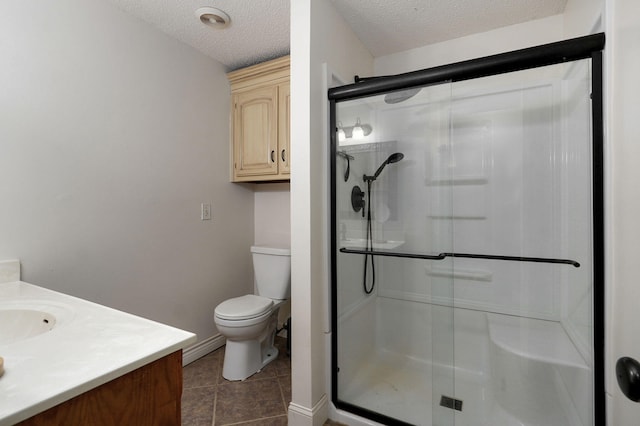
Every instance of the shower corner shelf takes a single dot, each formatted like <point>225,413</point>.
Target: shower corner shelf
<point>457,180</point>
<point>361,243</point>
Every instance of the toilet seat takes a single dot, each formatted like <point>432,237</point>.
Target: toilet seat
<point>244,308</point>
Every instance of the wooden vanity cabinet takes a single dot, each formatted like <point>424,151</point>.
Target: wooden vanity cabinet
<point>148,396</point>
<point>260,122</point>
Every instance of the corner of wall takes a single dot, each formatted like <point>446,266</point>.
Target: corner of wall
<point>582,17</point>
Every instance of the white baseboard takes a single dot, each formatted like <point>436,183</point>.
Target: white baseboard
<point>303,416</point>
<point>202,348</point>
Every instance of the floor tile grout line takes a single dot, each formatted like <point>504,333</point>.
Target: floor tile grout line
<point>200,387</point>
<point>215,396</point>
<point>253,420</point>
<point>215,403</point>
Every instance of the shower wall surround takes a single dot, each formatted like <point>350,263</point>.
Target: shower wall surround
<point>501,166</point>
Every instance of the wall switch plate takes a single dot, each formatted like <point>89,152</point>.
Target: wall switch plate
<point>205,211</point>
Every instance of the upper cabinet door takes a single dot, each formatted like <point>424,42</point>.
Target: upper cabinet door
<point>255,132</point>
<point>284,102</point>
<point>260,122</point>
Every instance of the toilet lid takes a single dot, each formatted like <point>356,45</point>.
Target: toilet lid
<point>243,307</point>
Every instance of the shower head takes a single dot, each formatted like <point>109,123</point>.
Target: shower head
<point>401,96</point>
<point>393,158</point>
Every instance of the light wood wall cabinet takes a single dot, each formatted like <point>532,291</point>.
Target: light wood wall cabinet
<point>260,122</point>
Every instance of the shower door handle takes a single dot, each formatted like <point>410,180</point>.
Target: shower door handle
<point>628,374</point>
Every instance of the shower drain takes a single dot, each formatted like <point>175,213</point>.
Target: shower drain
<point>454,404</point>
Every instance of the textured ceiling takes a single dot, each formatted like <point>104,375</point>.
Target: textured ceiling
<point>259,29</point>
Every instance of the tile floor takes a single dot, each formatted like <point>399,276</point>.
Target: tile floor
<point>262,399</point>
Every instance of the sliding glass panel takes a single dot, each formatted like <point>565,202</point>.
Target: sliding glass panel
<point>522,187</point>
<point>394,315</point>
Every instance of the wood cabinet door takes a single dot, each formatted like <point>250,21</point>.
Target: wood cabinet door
<point>255,132</point>
<point>148,396</point>
<point>284,102</point>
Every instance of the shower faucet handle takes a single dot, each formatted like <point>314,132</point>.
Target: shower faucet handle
<point>357,199</point>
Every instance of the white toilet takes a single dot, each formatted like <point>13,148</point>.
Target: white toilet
<point>249,322</point>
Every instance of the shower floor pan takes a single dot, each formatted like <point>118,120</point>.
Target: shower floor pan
<point>410,390</point>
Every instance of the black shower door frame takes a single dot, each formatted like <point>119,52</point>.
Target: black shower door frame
<point>587,47</point>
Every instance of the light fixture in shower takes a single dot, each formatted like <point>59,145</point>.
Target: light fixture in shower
<point>357,131</point>
<point>213,17</point>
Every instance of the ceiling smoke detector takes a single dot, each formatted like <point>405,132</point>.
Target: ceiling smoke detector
<point>213,17</point>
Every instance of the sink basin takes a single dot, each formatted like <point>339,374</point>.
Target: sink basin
<point>25,319</point>
<point>20,324</point>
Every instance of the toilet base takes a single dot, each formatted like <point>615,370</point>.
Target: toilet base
<point>240,361</point>
<point>244,358</point>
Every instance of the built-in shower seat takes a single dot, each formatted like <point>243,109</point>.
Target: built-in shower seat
<point>535,371</point>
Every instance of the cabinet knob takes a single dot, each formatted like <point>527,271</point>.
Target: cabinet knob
<point>282,155</point>
<point>273,158</point>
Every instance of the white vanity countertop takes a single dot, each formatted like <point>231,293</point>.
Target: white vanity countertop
<point>89,345</point>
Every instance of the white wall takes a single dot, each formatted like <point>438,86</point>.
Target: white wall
<point>272,214</point>
<point>519,36</point>
<point>622,67</point>
<point>112,134</point>
<point>272,224</point>
<point>319,36</point>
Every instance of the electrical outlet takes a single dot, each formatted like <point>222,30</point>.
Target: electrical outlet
<point>205,211</point>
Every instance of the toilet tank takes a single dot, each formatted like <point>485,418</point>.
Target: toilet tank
<point>272,268</point>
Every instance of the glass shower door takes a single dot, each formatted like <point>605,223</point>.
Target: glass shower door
<point>394,316</point>
<point>464,252</point>
<point>467,243</point>
<point>522,187</point>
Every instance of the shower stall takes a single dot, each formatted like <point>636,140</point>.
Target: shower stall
<point>467,241</point>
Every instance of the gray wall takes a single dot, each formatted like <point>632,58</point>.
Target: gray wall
<point>111,135</point>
